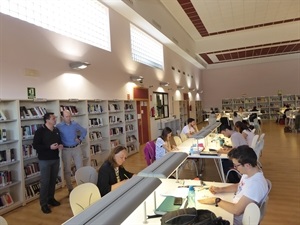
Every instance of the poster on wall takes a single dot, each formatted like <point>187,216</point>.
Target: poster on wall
<point>31,94</point>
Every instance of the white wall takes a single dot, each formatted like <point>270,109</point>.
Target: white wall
<point>25,46</point>
<point>250,80</point>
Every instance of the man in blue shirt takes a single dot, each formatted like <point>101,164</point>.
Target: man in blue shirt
<point>70,131</point>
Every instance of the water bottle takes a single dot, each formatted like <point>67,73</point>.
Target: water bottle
<point>191,150</point>
<point>191,197</point>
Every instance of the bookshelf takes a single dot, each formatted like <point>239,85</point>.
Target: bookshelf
<point>181,111</point>
<point>108,122</point>
<point>198,109</point>
<point>268,105</point>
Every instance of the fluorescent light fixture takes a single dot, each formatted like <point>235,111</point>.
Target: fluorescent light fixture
<point>134,78</point>
<point>123,201</point>
<point>79,65</point>
<point>206,130</point>
<point>180,87</point>
<point>164,84</point>
<point>165,166</point>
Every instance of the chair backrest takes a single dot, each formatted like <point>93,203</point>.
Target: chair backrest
<point>232,171</point>
<point>3,221</point>
<point>264,202</point>
<point>83,196</point>
<point>86,174</point>
<point>183,137</point>
<point>149,152</point>
<point>262,137</point>
<point>177,140</point>
<point>259,147</point>
<point>251,215</point>
<point>254,141</point>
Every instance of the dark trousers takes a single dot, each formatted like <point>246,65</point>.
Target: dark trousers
<point>232,177</point>
<point>49,172</point>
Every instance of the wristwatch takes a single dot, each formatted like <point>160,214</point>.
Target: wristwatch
<point>217,200</point>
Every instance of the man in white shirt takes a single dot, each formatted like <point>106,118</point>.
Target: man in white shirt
<point>252,187</point>
<point>190,128</point>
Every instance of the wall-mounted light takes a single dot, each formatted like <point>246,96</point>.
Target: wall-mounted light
<point>78,65</point>
<point>139,79</point>
<point>164,84</point>
<point>192,89</point>
<point>151,86</point>
<point>180,87</point>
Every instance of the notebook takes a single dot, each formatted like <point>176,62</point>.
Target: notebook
<point>167,206</point>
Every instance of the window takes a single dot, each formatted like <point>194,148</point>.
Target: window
<point>161,104</point>
<point>145,49</point>
<point>86,21</point>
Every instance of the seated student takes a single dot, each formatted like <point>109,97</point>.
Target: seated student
<point>245,131</point>
<point>112,174</point>
<point>162,145</point>
<point>190,128</point>
<point>237,140</point>
<point>236,117</point>
<point>252,187</point>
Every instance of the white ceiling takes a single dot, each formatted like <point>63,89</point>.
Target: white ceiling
<point>218,33</point>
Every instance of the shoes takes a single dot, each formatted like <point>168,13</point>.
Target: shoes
<point>46,209</point>
<point>53,202</point>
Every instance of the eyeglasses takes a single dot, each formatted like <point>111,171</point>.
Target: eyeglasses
<point>236,166</point>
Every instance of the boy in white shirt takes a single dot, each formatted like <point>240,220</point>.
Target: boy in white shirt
<point>190,128</point>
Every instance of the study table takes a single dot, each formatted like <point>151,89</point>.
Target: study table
<point>186,146</point>
<point>169,187</point>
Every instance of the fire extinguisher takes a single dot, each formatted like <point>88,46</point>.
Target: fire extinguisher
<point>152,112</point>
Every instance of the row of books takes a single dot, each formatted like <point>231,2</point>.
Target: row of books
<point>5,200</point>
<point>130,138</point>
<point>95,149</point>
<point>94,163</point>
<point>34,112</point>
<point>28,151</point>
<point>129,127</point>
<point>95,108</point>
<point>33,189</point>
<point>3,135</point>
<point>5,178</point>
<point>129,117</point>
<point>29,130</point>
<point>114,143</point>
<point>95,135</point>
<point>95,122</point>
<point>7,155</point>
<point>2,116</point>
<point>114,119</point>
<point>131,148</point>
<point>71,108</point>
<point>128,106</point>
<point>114,107</point>
<point>31,169</point>
<point>115,131</point>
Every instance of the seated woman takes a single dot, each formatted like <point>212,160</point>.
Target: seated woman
<point>112,174</point>
<point>245,131</point>
<point>162,145</point>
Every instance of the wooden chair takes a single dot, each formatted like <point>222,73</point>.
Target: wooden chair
<point>177,140</point>
<point>251,215</point>
<point>183,137</point>
<point>3,221</point>
<point>86,174</point>
<point>83,196</point>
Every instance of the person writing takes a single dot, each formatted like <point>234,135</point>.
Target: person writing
<point>112,173</point>
<point>162,144</point>
<point>69,131</point>
<point>47,143</point>
<point>190,128</point>
<point>252,187</point>
<point>245,131</point>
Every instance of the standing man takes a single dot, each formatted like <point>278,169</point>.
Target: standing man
<point>72,135</point>
<point>190,128</point>
<point>47,142</point>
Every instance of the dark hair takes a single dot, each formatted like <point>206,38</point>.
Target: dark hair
<point>112,154</point>
<point>47,116</point>
<point>165,133</point>
<point>190,120</point>
<point>235,114</point>
<point>224,127</point>
<point>241,126</point>
<point>243,154</point>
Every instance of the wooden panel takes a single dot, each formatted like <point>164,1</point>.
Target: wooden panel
<point>140,93</point>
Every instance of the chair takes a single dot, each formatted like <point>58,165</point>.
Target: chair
<point>254,141</point>
<point>86,174</point>
<point>83,196</point>
<point>264,202</point>
<point>251,215</point>
<point>261,137</point>
<point>232,171</point>
<point>149,152</point>
<point>183,137</point>
<point>3,221</point>
<point>177,140</point>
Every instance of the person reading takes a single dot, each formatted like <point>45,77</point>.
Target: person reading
<point>162,144</point>
<point>190,128</point>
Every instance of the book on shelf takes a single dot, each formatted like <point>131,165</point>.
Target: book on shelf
<point>6,199</point>
<point>2,115</point>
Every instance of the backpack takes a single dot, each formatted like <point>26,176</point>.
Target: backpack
<point>191,216</point>
<point>287,129</point>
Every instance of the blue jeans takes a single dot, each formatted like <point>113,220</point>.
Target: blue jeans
<point>49,172</point>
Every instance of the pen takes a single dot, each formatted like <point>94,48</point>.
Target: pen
<point>126,176</point>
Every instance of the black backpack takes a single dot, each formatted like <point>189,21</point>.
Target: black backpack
<point>191,216</point>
